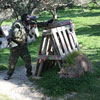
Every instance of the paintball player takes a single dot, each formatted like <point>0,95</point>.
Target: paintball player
<point>18,35</point>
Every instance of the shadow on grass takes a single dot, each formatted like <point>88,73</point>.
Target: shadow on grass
<point>91,30</point>
<point>95,29</point>
<point>72,13</point>
<point>3,67</point>
<point>69,13</point>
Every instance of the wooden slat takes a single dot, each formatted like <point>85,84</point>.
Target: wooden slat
<point>40,69</point>
<point>75,38</point>
<point>50,57</point>
<point>46,32</point>
<point>59,29</point>
<point>54,31</point>
<point>37,66</point>
<point>71,39</point>
<point>73,35</point>
<point>44,49</point>
<point>66,39</point>
<point>48,45</point>
<point>44,46</point>
<point>40,52</point>
<point>54,46</point>
<point>56,52</point>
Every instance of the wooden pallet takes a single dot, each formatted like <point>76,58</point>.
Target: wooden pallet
<point>55,45</point>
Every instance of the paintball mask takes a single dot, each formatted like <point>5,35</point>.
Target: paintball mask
<point>28,19</point>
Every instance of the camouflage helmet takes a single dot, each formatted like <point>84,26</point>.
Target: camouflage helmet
<point>25,17</point>
<point>28,19</point>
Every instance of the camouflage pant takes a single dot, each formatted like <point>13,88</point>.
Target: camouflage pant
<point>15,53</point>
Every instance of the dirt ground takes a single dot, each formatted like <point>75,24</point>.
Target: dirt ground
<point>19,87</point>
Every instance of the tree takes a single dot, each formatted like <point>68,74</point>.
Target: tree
<point>82,3</point>
<point>52,5</point>
<point>18,7</point>
<point>85,3</point>
<point>96,2</point>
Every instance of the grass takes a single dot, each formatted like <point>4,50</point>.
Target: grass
<point>4,59</point>
<point>70,59</point>
<point>54,86</point>
<point>87,28</point>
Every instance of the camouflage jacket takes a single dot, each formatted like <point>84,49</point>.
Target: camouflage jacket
<point>18,34</point>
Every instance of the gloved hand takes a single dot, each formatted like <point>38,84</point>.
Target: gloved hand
<point>26,29</point>
<point>9,38</point>
<point>50,21</point>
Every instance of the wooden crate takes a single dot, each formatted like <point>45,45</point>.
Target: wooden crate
<point>55,45</point>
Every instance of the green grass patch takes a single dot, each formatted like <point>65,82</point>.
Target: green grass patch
<point>3,67</point>
<point>54,86</point>
<point>4,59</point>
<point>70,59</point>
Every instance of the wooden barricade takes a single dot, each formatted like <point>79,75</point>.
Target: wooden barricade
<point>55,45</point>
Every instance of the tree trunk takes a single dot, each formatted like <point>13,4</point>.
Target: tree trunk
<point>54,13</point>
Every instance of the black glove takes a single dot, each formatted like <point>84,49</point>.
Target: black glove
<point>26,29</point>
<point>9,38</point>
<point>30,35</point>
<point>50,21</point>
